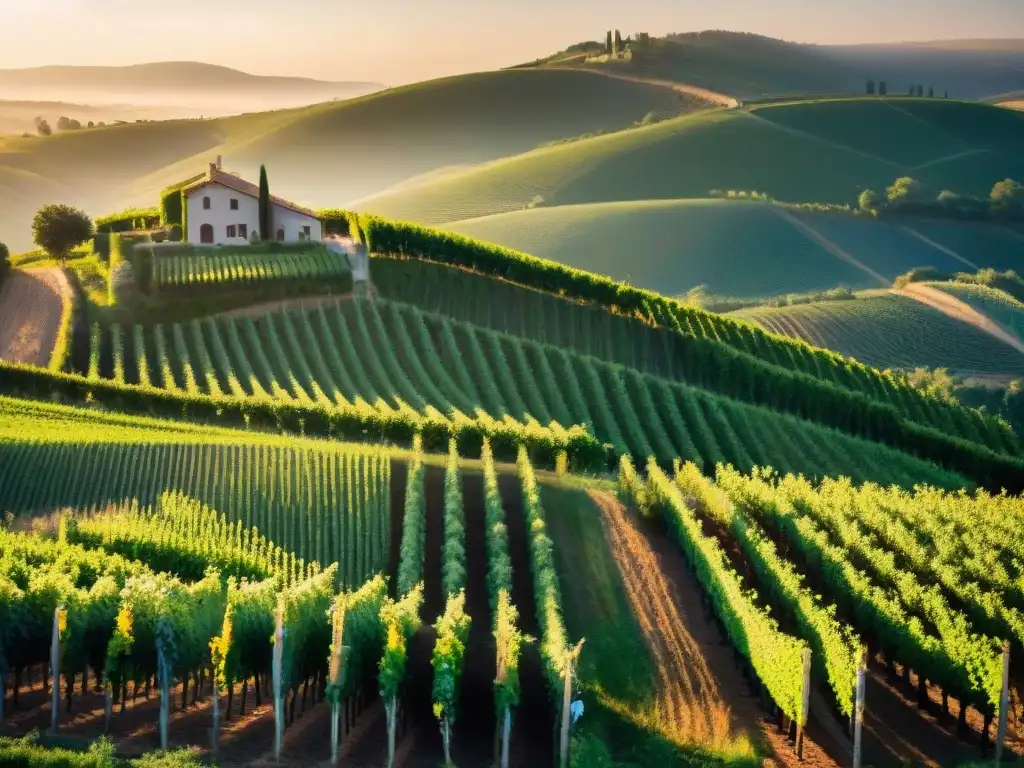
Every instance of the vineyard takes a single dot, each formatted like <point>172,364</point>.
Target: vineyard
<point>352,354</point>
<point>583,326</point>
<point>183,274</point>
<point>986,246</point>
<point>187,560</point>
<point>891,331</point>
<point>922,586</point>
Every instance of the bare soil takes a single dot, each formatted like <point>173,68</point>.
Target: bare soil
<point>31,304</point>
<point>702,694</point>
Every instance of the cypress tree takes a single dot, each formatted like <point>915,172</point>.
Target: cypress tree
<point>608,42</point>
<point>264,207</point>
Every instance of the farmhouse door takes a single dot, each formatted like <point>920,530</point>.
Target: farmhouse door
<point>206,233</point>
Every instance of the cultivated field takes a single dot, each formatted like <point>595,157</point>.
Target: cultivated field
<point>32,303</point>
<point>891,331</point>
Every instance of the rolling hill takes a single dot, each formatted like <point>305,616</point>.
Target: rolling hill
<point>751,66</point>
<point>737,248</point>
<point>991,302</point>
<point>779,149</point>
<point>326,154</point>
<point>183,82</point>
<point>887,330</point>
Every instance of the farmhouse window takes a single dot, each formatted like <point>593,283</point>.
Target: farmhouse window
<point>234,204</point>
<point>280,234</point>
<point>305,231</point>
<point>231,230</point>
<point>206,233</point>
<point>243,230</point>
<point>206,203</point>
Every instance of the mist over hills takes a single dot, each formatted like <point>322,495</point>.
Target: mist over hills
<point>218,89</point>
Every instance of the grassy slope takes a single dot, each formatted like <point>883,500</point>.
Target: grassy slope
<point>735,248</point>
<point>783,150</point>
<point>889,331</point>
<point>326,154</point>
<point>995,304</point>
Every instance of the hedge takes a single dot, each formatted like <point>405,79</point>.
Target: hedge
<point>62,344</point>
<point>128,220</point>
<point>361,423</point>
<point>171,208</point>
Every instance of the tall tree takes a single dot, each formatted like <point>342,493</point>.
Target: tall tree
<point>608,42</point>
<point>883,89</point>
<point>931,92</point>
<point>617,45</point>
<point>871,87</point>
<point>59,228</point>
<point>264,208</point>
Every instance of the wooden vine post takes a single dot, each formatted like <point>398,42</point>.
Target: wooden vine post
<point>278,692</point>
<point>858,712</point>
<point>571,658</point>
<point>337,676</point>
<point>805,707</point>
<point>1004,702</point>
<point>60,619</point>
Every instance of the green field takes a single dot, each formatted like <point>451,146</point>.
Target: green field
<point>670,246</point>
<point>778,149</point>
<point>984,245</point>
<point>890,331</point>
<point>994,304</point>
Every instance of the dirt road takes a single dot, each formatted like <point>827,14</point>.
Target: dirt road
<point>31,303</point>
<point>691,90</point>
<point>961,311</point>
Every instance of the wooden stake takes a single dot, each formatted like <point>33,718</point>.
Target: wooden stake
<point>806,705</point>
<point>278,693</point>
<point>858,716</point>
<point>55,664</point>
<point>215,741</point>
<point>570,661</point>
<point>1004,702</point>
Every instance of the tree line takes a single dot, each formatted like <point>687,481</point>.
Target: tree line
<point>882,89</point>
<point>906,195</point>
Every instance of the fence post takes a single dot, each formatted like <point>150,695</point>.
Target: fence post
<point>277,662</point>
<point>806,704</point>
<point>858,714</point>
<point>1004,701</point>
<point>59,613</point>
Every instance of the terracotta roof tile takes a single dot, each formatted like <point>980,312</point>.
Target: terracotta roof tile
<point>231,181</point>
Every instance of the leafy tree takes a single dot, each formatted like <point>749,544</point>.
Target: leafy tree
<point>868,200</point>
<point>42,127</point>
<point>617,43</point>
<point>882,88</point>
<point>59,228</point>
<point>904,190</point>
<point>871,87</point>
<point>920,90</point>
<point>931,92</point>
<point>67,124</point>
<point>91,124</point>
<point>1007,198</point>
<point>949,199</point>
<point>264,204</point>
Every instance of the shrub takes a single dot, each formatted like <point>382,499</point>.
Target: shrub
<point>59,228</point>
<point>919,275</point>
<point>868,200</point>
<point>5,262</point>
<point>128,220</point>
<point>904,190</point>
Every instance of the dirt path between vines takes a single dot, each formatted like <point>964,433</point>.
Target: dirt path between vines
<point>691,90</point>
<point>702,697</point>
<point>31,304</point>
<point>308,302</point>
<point>959,310</point>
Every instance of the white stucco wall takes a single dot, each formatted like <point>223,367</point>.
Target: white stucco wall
<point>292,223</point>
<point>220,214</point>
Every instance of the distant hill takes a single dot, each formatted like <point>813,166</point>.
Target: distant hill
<point>742,249</point>
<point>221,90</point>
<point>887,330</point>
<point>822,151</point>
<point>329,154</point>
<point>750,66</point>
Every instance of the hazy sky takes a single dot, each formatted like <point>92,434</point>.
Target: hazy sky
<point>399,41</point>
